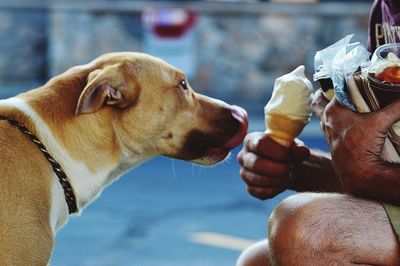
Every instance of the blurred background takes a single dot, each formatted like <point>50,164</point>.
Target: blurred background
<point>168,212</point>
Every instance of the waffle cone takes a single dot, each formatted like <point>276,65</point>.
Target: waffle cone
<point>283,129</point>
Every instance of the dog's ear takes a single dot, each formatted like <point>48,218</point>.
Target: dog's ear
<point>107,86</point>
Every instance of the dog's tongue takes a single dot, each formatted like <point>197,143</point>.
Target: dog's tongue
<point>241,116</point>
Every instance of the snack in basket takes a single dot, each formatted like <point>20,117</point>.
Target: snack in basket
<point>289,109</point>
<point>385,63</point>
<point>390,71</point>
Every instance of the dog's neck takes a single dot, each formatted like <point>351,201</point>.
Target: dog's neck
<point>88,174</point>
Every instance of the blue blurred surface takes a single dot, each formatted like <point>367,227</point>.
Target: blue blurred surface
<point>147,217</point>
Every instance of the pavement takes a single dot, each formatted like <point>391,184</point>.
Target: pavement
<point>170,213</point>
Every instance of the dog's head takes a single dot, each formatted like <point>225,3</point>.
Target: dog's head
<point>154,110</point>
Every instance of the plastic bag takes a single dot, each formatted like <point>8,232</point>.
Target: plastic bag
<point>338,62</point>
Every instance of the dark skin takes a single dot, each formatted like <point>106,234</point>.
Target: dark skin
<point>355,141</point>
<point>269,168</point>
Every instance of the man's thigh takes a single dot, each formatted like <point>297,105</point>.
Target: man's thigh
<point>348,227</point>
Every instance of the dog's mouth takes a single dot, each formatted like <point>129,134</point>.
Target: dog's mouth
<point>217,149</point>
<point>213,156</point>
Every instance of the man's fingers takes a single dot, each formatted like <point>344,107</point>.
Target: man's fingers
<point>319,103</point>
<point>327,111</point>
<point>264,193</point>
<point>299,151</point>
<point>263,166</point>
<point>254,179</point>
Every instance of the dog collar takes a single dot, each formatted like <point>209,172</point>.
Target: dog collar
<point>62,177</point>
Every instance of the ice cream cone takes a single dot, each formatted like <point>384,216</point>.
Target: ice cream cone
<point>289,109</point>
<point>283,129</point>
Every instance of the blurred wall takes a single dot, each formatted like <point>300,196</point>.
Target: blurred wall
<point>240,51</point>
<point>23,45</point>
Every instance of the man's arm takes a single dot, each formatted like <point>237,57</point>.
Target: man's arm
<point>316,174</point>
<point>356,142</point>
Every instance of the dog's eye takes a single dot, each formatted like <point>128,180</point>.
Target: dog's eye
<point>183,84</point>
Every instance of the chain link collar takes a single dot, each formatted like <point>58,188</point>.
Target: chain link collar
<point>62,177</point>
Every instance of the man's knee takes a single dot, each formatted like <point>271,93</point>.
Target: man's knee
<point>341,227</point>
<point>299,225</point>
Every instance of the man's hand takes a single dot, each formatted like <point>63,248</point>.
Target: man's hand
<point>266,165</point>
<point>356,142</point>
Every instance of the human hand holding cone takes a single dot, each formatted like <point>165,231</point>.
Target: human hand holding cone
<point>289,109</point>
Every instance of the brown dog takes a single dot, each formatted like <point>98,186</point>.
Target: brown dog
<point>62,143</point>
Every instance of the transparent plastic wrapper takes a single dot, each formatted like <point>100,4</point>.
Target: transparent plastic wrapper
<point>354,82</point>
<point>323,62</point>
<point>335,64</point>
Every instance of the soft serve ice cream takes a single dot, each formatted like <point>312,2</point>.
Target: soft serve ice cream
<point>289,109</point>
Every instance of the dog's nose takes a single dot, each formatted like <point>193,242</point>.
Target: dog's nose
<point>240,115</point>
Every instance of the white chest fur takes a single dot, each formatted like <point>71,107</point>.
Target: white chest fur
<point>86,184</point>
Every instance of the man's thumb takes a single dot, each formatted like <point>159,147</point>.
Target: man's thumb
<point>389,115</point>
<point>299,151</point>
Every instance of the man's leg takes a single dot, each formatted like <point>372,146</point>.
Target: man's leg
<point>331,229</point>
<point>255,255</point>
<point>326,229</point>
